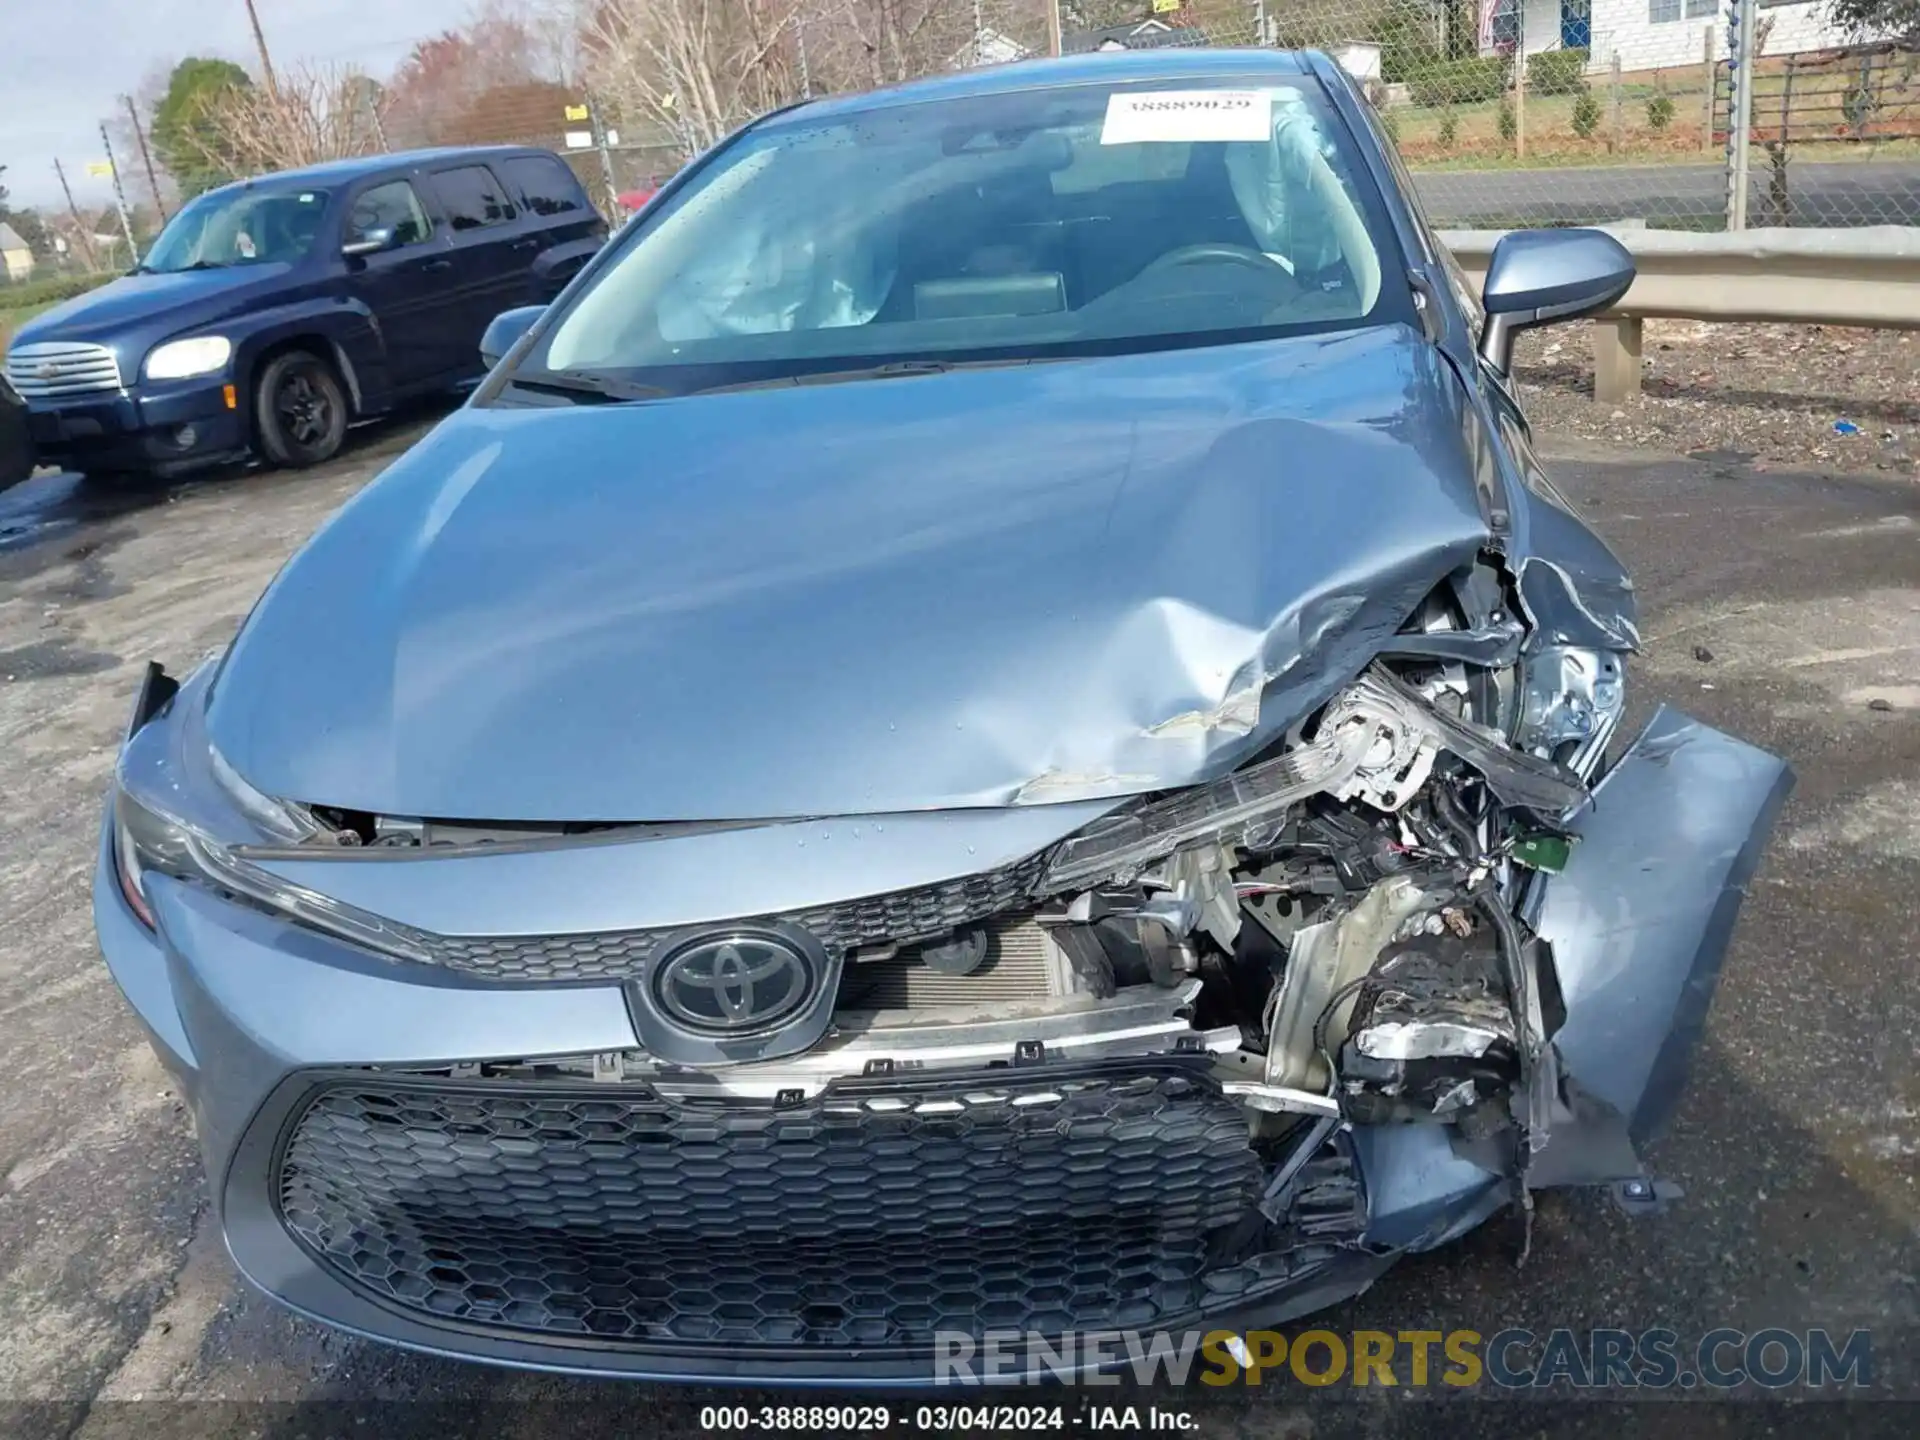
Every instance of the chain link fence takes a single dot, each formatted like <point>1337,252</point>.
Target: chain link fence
<point>1568,112</point>
<point>1509,112</point>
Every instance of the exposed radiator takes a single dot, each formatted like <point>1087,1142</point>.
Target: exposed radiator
<point>1020,965</point>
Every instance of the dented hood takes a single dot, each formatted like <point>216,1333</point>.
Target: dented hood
<point>990,587</point>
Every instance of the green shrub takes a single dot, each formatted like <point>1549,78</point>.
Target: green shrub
<point>1449,128</point>
<point>1660,110</point>
<point>1557,72</point>
<point>25,293</point>
<point>1509,126</point>
<point>1586,115</point>
<point>1458,82</point>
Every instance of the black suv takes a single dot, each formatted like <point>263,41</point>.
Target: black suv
<point>272,313</point>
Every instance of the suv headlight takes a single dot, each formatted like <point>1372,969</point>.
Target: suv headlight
<point>183,359</point>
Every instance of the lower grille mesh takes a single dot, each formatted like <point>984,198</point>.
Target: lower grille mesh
<point>871,1216</point>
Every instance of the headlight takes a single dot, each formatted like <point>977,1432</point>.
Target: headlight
<point>146,842</point>
<point>181,359</point>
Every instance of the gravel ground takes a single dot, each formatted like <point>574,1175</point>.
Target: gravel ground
<point>1770,394</point>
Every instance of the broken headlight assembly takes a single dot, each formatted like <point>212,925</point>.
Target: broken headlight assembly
<point>182,837</point>
<point>1368,744</point>
<point>147,841</point>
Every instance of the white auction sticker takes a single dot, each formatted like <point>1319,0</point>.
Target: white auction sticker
<point>1144,116</point>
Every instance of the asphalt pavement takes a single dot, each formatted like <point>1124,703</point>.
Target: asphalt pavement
<point>1782,607</point>
<point>1874,191</point>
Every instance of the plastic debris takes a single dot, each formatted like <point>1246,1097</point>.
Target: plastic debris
<point>1845,427</point>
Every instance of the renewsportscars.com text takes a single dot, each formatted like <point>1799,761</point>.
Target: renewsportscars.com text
<point>1652,1359</point>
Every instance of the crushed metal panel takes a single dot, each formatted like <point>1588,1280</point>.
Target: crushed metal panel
<point>1640,919</point>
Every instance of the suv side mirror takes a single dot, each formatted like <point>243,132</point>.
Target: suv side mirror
<point>1538,277</point>
<point>505,330</point>
<point>368,242</point>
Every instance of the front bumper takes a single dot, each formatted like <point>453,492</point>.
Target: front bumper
<point>162,428</point>
<point>367,1175</point>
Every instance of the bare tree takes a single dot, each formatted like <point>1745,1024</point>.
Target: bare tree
<point>694,68</point>
<point>314,114</point>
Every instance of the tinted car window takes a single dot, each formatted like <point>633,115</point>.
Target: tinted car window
<point>393,206</point>
<point>472,197</point>
<point>1087,219</point>
<point>544,186</point>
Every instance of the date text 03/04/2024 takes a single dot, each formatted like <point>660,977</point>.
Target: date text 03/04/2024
<point>943,1418</point>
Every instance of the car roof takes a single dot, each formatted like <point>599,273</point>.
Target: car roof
<point>1098,68</point>
<point>360,167</point>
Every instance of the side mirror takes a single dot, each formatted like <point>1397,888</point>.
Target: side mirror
<point>1537,277</point>
<point>505,330</point>
<point>369,242</point>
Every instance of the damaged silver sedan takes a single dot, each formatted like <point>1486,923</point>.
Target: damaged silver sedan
<point>990,725</point>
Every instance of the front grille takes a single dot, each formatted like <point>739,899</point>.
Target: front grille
<point>874,1215</point>
<point>51,369</point>
<point>898,917</point>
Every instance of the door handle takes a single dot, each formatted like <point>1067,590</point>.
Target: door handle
<point>438,265</point>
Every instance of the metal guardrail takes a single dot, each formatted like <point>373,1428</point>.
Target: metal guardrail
<point>1868,276</point>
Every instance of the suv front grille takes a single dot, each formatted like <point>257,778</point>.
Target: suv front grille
<point>874,1215</point>
<point>50,369</point>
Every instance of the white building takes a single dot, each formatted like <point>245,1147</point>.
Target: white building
<point>1652,34</point>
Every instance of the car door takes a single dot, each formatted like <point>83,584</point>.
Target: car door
<point>412,286</point>
<point>491,254</point>
<point>556,215</point>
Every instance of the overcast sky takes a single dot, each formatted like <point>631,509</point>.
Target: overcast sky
<point>65,63</point>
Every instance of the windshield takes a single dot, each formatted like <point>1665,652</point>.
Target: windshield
<point>1069,220</point>
<point>240,227</point>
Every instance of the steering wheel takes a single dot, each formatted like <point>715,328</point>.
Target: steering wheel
<point>1215,250</point>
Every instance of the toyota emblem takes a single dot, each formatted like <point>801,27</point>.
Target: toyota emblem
<point>733,983</point>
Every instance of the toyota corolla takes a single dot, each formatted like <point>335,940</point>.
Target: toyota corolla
<point>990,724</point>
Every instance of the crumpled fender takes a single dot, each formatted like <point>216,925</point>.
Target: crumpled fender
<point>1639,920</point>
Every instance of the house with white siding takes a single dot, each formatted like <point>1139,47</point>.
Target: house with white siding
<point>1651,34</point>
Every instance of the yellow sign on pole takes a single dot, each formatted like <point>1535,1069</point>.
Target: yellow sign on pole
<point>576,112</point>
<point>100,169</point>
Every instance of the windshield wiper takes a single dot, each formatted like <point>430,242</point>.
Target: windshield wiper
<point>588,389</point>
<point>889,370</point>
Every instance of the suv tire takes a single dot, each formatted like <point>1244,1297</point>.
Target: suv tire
<point>300,410</point>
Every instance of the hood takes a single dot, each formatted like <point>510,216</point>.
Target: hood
<point>182,300</point>
<point>992,587</point>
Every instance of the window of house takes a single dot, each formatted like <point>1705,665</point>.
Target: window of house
<point>543,185</point>
<point>472,197</point>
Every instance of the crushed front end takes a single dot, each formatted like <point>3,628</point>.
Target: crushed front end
<point>786,1101</point>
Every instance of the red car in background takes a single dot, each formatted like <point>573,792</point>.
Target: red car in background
<point>632,200</point>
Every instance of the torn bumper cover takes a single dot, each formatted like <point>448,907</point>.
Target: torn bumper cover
<point>542,1202</point>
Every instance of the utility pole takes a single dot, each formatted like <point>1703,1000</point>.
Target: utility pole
<point>82,231</point>
<point>266,61</point>
<point>1053,27</point>
<point>120,199</point>
<point>146,158</point>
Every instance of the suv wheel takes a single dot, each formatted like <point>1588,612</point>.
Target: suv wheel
<point>301,410</point>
